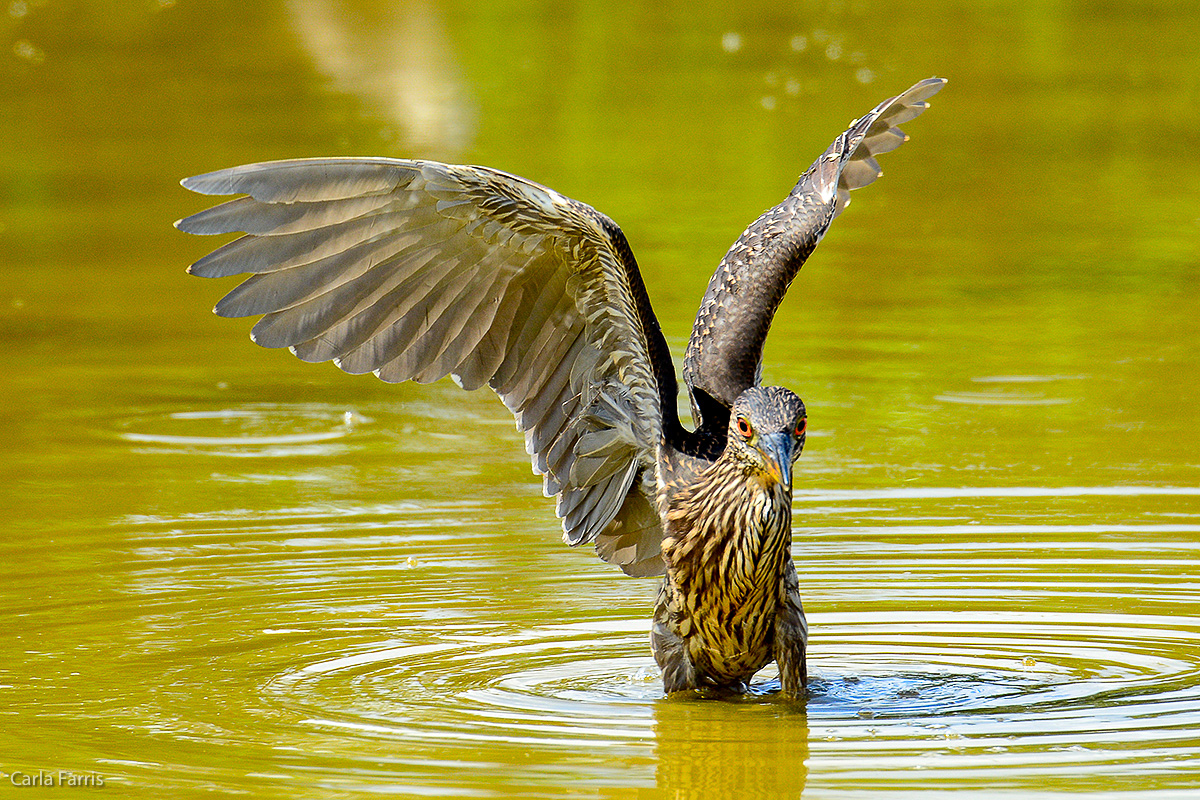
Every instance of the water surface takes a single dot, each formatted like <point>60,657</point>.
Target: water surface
<point>227,572</point>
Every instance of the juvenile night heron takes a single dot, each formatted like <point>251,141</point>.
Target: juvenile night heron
<point>415,270</point>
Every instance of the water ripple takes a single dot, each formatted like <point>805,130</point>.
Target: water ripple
<point>1009,680</point>
<point>256,431</point>
<point>988,648</point>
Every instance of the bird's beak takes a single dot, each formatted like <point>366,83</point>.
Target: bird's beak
<point>777,455</point>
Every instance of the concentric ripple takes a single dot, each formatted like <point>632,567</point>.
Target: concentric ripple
<point>1009,675</point>
<point>995,637</point>
<point>921,657</point>
<point>563,685</point>
<point>243,432</point>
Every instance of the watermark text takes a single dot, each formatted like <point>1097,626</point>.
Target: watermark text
<point>55,777</point>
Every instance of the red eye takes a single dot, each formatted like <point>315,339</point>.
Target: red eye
<point>744,428</point>
<point>801,427</point>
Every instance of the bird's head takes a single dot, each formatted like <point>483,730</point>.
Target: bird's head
<point>767,425</point>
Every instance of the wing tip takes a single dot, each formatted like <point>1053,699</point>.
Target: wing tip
<point>188,225</point>
<point>203,184</point>
<point>923,90</point>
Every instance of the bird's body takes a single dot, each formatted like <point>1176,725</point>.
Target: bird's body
<point>416,270</point>
<point>730,602</point>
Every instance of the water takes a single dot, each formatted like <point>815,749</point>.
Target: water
<point>226,572</point>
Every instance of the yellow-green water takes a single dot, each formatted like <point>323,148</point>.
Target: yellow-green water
<point>226,572</point>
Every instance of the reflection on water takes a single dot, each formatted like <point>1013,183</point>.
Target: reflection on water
<point>706,749</point>
<point>224,572</point>
<point>398,61</point>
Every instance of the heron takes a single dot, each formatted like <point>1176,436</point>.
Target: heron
<point>415,270</point>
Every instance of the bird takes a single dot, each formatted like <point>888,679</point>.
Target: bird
<point>416,270</point>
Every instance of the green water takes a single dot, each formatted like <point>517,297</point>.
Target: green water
<point>226,572</point>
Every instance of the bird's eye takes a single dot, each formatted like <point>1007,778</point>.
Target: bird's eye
<point>744,428</point>
<point>801,427</point>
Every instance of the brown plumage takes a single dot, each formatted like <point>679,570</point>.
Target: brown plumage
<point>415,270</point>
<point>731,600</point>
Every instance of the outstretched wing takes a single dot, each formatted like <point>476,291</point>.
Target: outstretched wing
<point>724,353</point>
<point>418,270</point>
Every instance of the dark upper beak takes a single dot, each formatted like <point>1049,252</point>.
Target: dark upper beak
<point>777,454</point>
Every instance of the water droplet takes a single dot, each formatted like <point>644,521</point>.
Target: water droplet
<point>731,42</point>
<point>352,417</point>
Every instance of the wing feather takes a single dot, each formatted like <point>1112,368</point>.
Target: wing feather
<point>483,362</point>
<point>416,270</point>
<point>724,353</point>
